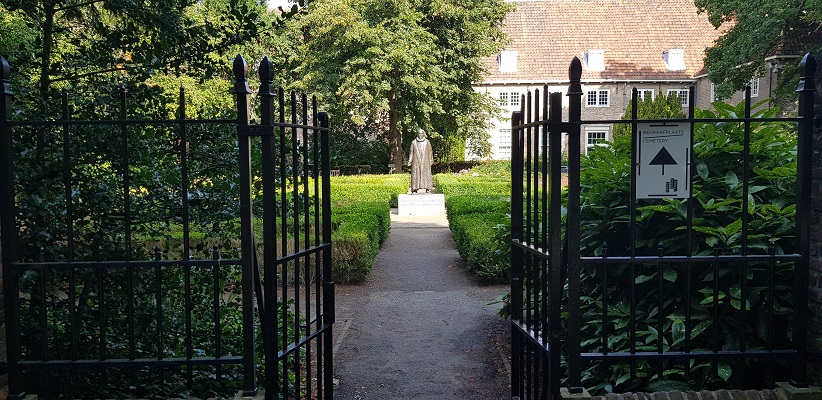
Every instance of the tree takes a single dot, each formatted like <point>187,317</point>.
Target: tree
<point>753,30</point>
<point>659,107</point>
<point>400,65</point>
<point>80,39</point>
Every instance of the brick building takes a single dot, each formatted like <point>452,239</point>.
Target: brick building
<point>656,46</point>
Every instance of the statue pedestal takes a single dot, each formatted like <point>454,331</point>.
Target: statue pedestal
<point>421,204</point>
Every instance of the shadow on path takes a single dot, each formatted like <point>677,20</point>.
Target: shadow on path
<point>420,327</point>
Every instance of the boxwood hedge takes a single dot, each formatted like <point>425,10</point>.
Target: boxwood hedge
<point>361,218</point>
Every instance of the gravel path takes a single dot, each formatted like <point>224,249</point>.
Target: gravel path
<point>420,327</point>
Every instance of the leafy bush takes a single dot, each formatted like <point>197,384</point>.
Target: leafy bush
<point>356,243</point>
<point>480,240</point>
<point>716,293</point>
<point>478,210</point>
<point>361,214</point>
<point>473,185</point>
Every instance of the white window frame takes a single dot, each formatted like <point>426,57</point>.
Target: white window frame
<point>503,99</point>
<point>503,144</point>
<point>754,83</point>
<point>601,133</point>
<point>594,98</point>
<point>514,99</point>
<point>713,92</point>
<point>642,93</point>
<point>683,96</point>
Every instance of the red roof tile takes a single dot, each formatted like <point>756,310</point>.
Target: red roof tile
<point>547,34</point>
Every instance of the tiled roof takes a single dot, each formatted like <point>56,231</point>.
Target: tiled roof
<point>547,34</point>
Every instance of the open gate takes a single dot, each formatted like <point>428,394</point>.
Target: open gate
<point>116,272</point>
<point>614,301</point>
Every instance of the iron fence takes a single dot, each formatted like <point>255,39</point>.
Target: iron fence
<point>129,249</point>
<point>613,291</point>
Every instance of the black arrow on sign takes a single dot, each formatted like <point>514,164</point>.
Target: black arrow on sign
<point>663,158</point>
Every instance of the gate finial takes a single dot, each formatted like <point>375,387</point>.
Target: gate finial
<point>575,76</point>
<point>266,77</point>
<point>240,76</point>
<point>807,70</point>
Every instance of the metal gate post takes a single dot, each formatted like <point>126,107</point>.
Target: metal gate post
<point>556,273</point>
<point>328,317</point>
<point>516,252</point>
<point>247,247</point>
<point>806,89</point>
<point>572,229</point>
<point>269,307</point>
<point>8,232</point>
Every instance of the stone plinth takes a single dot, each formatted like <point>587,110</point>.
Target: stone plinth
<point>421,204</point>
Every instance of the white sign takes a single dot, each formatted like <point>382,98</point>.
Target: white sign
<point>664,164</point>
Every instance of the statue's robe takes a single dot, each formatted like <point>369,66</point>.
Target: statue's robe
<point>421,157</point>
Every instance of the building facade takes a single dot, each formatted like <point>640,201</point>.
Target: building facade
<point>655,46</point>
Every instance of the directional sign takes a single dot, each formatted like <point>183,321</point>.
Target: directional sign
<point>664,160</point>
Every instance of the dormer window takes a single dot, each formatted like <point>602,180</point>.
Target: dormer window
<point>674,59</point>
<point>594,60</point>
<point>507,61</point>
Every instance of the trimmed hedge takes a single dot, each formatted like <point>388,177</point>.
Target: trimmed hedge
<point>477,238</point>
<point>467,184</point>
<point>361,215</point>
<point>478,207</point>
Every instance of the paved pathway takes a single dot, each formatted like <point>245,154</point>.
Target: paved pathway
<point>420,327</point>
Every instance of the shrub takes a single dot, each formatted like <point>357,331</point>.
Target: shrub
<point>717,211</point>
<point>473,185</point>
<point>361,214</point>
<point>479,242</point>
<point>355,245</point>
<point>478,210</point>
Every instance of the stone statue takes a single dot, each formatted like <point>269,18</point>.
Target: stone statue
<point>420,158</point>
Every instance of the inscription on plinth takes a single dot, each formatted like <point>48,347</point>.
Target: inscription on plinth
<point>421,204</point>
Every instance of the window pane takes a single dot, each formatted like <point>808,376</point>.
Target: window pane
<point>515,98</point>
<point>683,94</point>
<point>592,97</point>
<point>503,99</point>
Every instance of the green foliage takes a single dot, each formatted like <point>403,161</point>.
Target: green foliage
<point>361,214</point>
<point>479,237</point>
<point>357,238</point>
<point>83,42</point>
<point>389,68</point>
<point>348,148</point>
<point>752,31</point>
<point>498,168</point>
<point>478,210</point>
<point>660,229</point>
<point>658,107</point>
<point>457,184</point>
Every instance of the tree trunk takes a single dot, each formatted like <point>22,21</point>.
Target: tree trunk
<point>394,136</point>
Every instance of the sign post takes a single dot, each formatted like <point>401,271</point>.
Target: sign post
<point>664,164</point>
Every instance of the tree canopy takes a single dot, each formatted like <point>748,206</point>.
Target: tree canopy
<point>754,29</point>
<point>396,66</point>
<point>70,40</point>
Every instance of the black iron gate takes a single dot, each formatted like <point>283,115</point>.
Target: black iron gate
<point>618,293</point>
<point>125,262</point>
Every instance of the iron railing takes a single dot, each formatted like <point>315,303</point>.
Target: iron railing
<point>121,243</point>
<point>630,307</point>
